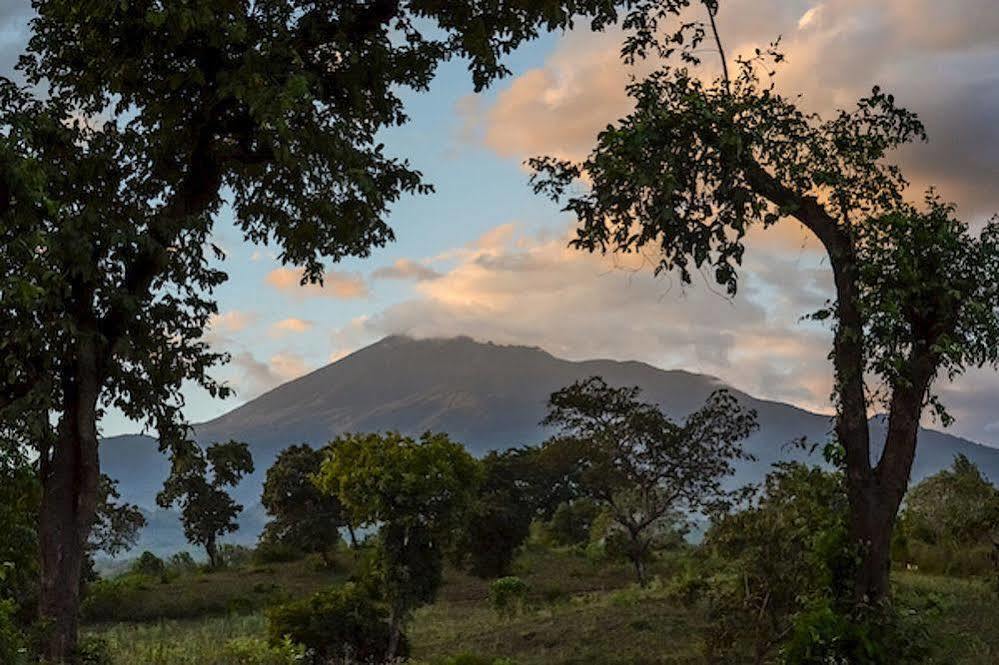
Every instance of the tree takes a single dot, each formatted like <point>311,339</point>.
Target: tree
<point>643,467</point>
<point>198,481</point>
<point>698,162</point>
<point>499,520</point>
<point>110,185</point>
<point>779,557</point>
<point>301,514</point>
<point>117,525</point>
<point>418,492</point>
<point>955,507</point>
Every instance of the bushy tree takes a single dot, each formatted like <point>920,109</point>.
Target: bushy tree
<point>302,515</point>
<point>955,507</point>
<point>110,185</point>
<point>641,466</point>
<point>779,555</point>
<point>418,492</point>
<point>700,160</point>
<point>339,625</point>
<point>198,482</point>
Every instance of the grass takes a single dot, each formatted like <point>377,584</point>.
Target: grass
<point>578,611</point>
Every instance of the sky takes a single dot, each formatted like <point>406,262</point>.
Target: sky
<point>485,257</point>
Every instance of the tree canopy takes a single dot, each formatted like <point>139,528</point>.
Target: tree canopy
<point>704,157</point>
<point>641,466</point>
<point>198,482</point>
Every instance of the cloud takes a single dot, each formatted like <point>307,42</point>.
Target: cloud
<point>233,321</point>
<point>513,288</point>
<point>939,59</point>
<point>336,284</point>
<point>253,377</point>
<point>290,326</point>
<point>406,269</point>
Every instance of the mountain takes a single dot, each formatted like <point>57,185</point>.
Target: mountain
<point>485,395</point>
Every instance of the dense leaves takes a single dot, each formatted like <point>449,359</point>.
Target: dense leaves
<point>302,516</point>
<point>198,482</point>
<point>419,493</point>
<point>955,507</point>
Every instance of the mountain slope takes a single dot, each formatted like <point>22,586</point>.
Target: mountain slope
<point>484,395</point>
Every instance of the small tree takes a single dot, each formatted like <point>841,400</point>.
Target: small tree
<point>302,515</point>
<point>419,493</point>
<point>198,481</point>
<point>642,466</point>
<point>957,506</point>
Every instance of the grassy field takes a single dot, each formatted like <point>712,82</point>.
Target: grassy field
<point>577,612</point>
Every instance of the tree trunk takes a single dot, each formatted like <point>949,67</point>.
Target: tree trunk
<point>353,537</point>
<point>640,571</point>
<point>395,634</point>
<point>872,519</point>
<point>70,480</point>
<point>213,554</point>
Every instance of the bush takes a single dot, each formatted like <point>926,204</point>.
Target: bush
<point>471,659</point>
<point>572,522</point>
<point>93,651</point>
<point>335,625</point>
<point>234,556</point>
<point>253,651</point>
<point>150,565</point>
<point>12,644</point>
<point>181,563</point>
<point>276,552</point>
<point>508,595</point>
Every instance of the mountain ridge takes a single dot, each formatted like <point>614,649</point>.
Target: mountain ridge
<point>485,395</point>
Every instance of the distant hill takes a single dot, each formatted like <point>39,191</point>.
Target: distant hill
<point>485,395</point>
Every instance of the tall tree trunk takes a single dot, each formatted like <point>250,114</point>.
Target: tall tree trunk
<point>213,553</point>
<point>395,633</point>
<point>70,480</point>
<point>872,520</point>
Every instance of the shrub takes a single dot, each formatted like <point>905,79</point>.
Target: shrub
<point>181,563</point>
<point>507,595</point>
<point>93,651</point>
<point>253,651</point>
<point>12,644</point>
<point>572,522</point>
<point>276,552</point>
<point>335,625</point>
<point>472,659</point>
<point>234,556</point>
<point>149,564</point>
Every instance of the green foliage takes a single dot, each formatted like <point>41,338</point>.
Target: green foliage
<point>118,525</point>
<point>20,495</point>
<point>957,507</point>
<point>419,492</point>
<point>782,552</point>
<point>302,516</point>
<point>93,651</point>
<point>149,564</point>
<point>508,595</point>
<point>641,467</point>
<point>13,646</point>
<point>499,521</point>
<point>254,651</point>
<point>572,522</point>
<point>207,510</point>
<point>337,625</point>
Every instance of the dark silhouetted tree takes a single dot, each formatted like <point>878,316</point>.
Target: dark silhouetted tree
<point>699,161</point>
<point>302,515</point>
<point>198,482</point>
<point>643,467</point>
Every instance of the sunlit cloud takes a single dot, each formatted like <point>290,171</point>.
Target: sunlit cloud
<point>336,284</point>
<point>290,326</point>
